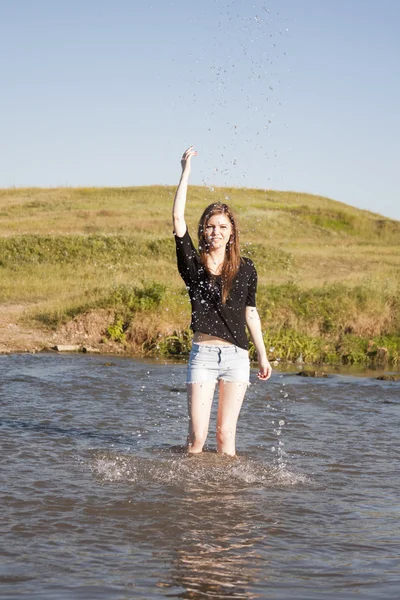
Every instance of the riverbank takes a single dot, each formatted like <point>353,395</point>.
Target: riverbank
<point>21,333</point>
<point>90,332</point>
<point>86,335</point>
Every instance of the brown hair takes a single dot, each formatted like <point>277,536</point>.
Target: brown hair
<point>232,259</point>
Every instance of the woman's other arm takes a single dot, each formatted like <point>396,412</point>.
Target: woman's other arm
<point>178,209</point>
<point>254,325</point>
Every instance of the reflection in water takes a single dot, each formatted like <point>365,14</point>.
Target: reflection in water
<point>214,569</point>
<point>216,556</point>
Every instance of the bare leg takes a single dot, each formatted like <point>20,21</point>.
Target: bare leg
<point>200,397</point>
<point>231,395</point>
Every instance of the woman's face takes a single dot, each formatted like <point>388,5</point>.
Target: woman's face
<point>218,231</point>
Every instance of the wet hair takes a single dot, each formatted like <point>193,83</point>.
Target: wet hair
<point>231,264</point>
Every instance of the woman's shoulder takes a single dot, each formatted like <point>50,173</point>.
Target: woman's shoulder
<point>247,263</point>
<point>247,269</point>
<point>185,250</point>
<point>185,241</point>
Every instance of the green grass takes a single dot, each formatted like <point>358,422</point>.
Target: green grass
<point>329,274</point>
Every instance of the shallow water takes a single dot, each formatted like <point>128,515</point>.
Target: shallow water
<point>100,502</point>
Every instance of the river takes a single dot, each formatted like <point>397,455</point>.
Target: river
<point>99,501</point>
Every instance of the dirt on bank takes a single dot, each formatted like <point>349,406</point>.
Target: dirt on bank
<point>87,332</point>
<point>19,333</point>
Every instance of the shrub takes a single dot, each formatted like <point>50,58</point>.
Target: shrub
<point>116,331</point>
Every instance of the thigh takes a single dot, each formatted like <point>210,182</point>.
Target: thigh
<point>200,397</point>
<point>231,396</point>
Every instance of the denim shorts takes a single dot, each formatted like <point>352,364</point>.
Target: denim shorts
<point>211,363</point>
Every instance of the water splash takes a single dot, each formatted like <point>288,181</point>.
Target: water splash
<point>244,76</point>
<point>208,469</point>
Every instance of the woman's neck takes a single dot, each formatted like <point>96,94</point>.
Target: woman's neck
<point>217,256</point>
<point>215,261</point>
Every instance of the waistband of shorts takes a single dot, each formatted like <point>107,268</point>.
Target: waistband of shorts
<point>218,347</point>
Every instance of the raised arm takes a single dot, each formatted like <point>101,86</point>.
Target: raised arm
<point>254,325</point>
<point>178,209</point>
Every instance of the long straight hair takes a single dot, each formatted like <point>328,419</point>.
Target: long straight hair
<point>232,260</point>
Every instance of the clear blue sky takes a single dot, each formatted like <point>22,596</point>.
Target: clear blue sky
<point>285,94</point>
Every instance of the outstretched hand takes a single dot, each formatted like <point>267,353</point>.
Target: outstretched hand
<point>187,157</point>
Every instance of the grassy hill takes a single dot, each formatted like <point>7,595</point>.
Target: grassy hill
<point>329,273</point>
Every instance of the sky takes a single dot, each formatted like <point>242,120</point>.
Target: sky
<point>299,95</point>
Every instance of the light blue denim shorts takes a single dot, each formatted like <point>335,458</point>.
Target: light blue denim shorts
<point>210,363</point>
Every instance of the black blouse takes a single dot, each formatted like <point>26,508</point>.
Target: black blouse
<point>209,315</point>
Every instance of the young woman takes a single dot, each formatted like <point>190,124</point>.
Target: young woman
<point>222,290</point>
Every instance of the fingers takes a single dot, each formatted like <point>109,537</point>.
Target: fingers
<point>189,153</point>
<point>186,159</point>
<point>265,373</point>
<point>262,377</point>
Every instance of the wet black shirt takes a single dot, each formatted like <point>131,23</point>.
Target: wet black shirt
<point>209,315</point>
